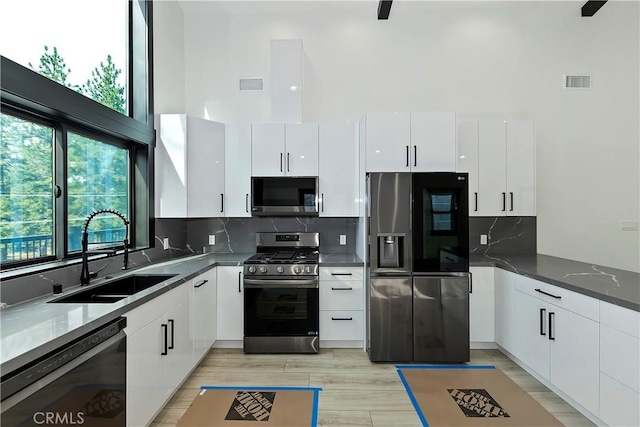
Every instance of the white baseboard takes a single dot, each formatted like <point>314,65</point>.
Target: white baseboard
<point>482,345</point>
<point>341,344</point>
<point>228,344</point>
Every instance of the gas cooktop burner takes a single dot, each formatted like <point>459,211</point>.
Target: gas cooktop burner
<point>284,257</point>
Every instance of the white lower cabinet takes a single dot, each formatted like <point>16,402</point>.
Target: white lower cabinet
<point>504,292</point>
<point>230,312</point>
<point>341,305</point>
<point>159,353</point>
<point>204,301</point>
<point>481,305</point>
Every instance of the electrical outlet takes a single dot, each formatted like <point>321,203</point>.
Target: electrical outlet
<point>343,239</point>
<point>165,243</point>
<point>483,239</point>
<point>628,225</point>
<point>212,239</point>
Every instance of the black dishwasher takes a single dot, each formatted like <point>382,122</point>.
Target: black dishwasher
<point>81,383</point>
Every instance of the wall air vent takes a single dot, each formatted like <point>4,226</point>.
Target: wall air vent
<point>577,81</point>
<point>252,83</point>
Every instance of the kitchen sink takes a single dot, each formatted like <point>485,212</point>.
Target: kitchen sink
<point>115,290</point>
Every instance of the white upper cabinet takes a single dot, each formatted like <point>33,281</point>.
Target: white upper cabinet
<point>410,142</point>
<point>468,159</point>
<point>189,164</point>
<point>338,178</point>
<point>433,142</point>
<point>387,141</point>
<point>500,159</point>
<point>237,180</point>
<point>284,149</point>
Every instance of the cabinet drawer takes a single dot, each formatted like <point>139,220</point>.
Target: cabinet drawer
<point>341,273</point>
<point>341,325</point>
<point>623,319</point>
<point>619,405</point>
<point>572,301</point>
<point>619,356</point>
<point>337,295</point>
<point>147,312</point>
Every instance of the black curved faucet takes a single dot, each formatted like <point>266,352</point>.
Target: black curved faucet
<point>85,275</point>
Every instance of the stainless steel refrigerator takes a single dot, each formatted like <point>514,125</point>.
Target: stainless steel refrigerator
<point>418,267</point>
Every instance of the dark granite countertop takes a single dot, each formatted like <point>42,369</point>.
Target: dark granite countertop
<point>340,260</point>
<point>608,284</point>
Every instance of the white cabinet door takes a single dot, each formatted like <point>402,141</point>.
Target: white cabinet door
<point>492,192</point>
<point>204,313</point>
<point>521,179</point>
<point>267,149</point>
<point>504,309</point>
<point>180,344</point>
<point>481,305</point>
<point>532,333</point>
<point>205,168</point>
<point>341,325</point>
<point>468,159</point>
<point>171,166</point>
<point>338,178</point>
<point>387,141</point>
<point>301,143</point>
<point>619,405</point>
<point>145,373</point>
<point>237,179</point>
<point>433,142</point>
<point>575,360</point>
<point>230,312</point>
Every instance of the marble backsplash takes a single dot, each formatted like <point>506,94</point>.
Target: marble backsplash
<point>505,235</point>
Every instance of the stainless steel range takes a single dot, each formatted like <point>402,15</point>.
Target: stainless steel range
<point>281,298</point>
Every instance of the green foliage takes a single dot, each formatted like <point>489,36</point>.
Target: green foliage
<point>103,86</point>
<point>53,66</point>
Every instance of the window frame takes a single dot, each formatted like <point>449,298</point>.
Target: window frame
<point>31,96</point>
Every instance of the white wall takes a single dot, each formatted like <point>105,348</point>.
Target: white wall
<point>168,57</point>
<point>501,59</point>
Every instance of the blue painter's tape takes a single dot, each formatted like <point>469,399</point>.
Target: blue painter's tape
<point>445,367</point>
<point>414,402</point>
<point>314,415</point>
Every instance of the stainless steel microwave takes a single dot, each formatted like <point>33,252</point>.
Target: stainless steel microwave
<point>284,196</point>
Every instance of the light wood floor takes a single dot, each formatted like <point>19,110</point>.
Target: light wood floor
<point>355,392</point>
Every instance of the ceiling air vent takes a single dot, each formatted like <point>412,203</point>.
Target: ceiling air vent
<point>577,82</point>
<point>252,83</point>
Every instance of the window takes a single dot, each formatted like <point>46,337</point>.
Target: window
<point>66,43</point>
<point>26,189</point>
<point>62,154</point>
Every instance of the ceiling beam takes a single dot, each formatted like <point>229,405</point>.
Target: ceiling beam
<point>384,7</point>
<point>591,7</point>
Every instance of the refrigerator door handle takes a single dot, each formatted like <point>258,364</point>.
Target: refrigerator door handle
<point>470,282</point>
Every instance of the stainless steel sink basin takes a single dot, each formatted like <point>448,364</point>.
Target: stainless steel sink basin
<point>114,290</point>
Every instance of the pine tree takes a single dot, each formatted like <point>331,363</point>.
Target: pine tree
<point>52,66</point>
<point>103,86</point>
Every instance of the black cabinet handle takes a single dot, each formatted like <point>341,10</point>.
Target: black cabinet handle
<point>221,202</point>
<point>322,202</point>
<point>511,197</point>
<point>164,328</point>
<point>342,289</point>
<point>201,284</point>
<point>341,318</point>
<point>239,281</point>
<point>470,282</point>
<point>548,294</point>
<point>288,162</point>
<point>476,196</point>
<point>504,202</point>
<point>246,202</point>
<point>551,317</point>
<point>415,155</point>
<point>172,333</point>
<point>542,312</point>
<point>407,156</point>
<point>281,162</point>
<point>342,274</point>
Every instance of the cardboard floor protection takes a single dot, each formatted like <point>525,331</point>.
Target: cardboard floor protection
<point>468,396</point>
<point>257,407</point>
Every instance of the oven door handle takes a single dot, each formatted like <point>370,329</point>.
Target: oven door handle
<point>288,283</point>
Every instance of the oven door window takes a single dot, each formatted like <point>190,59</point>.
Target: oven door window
<point>281,311</point>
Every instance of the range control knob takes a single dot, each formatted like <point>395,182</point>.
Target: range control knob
<point>252,269</point>
<point>307,269</point>
<point>297,269</point>
<point>280,269</point>
<point>263,269</point>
